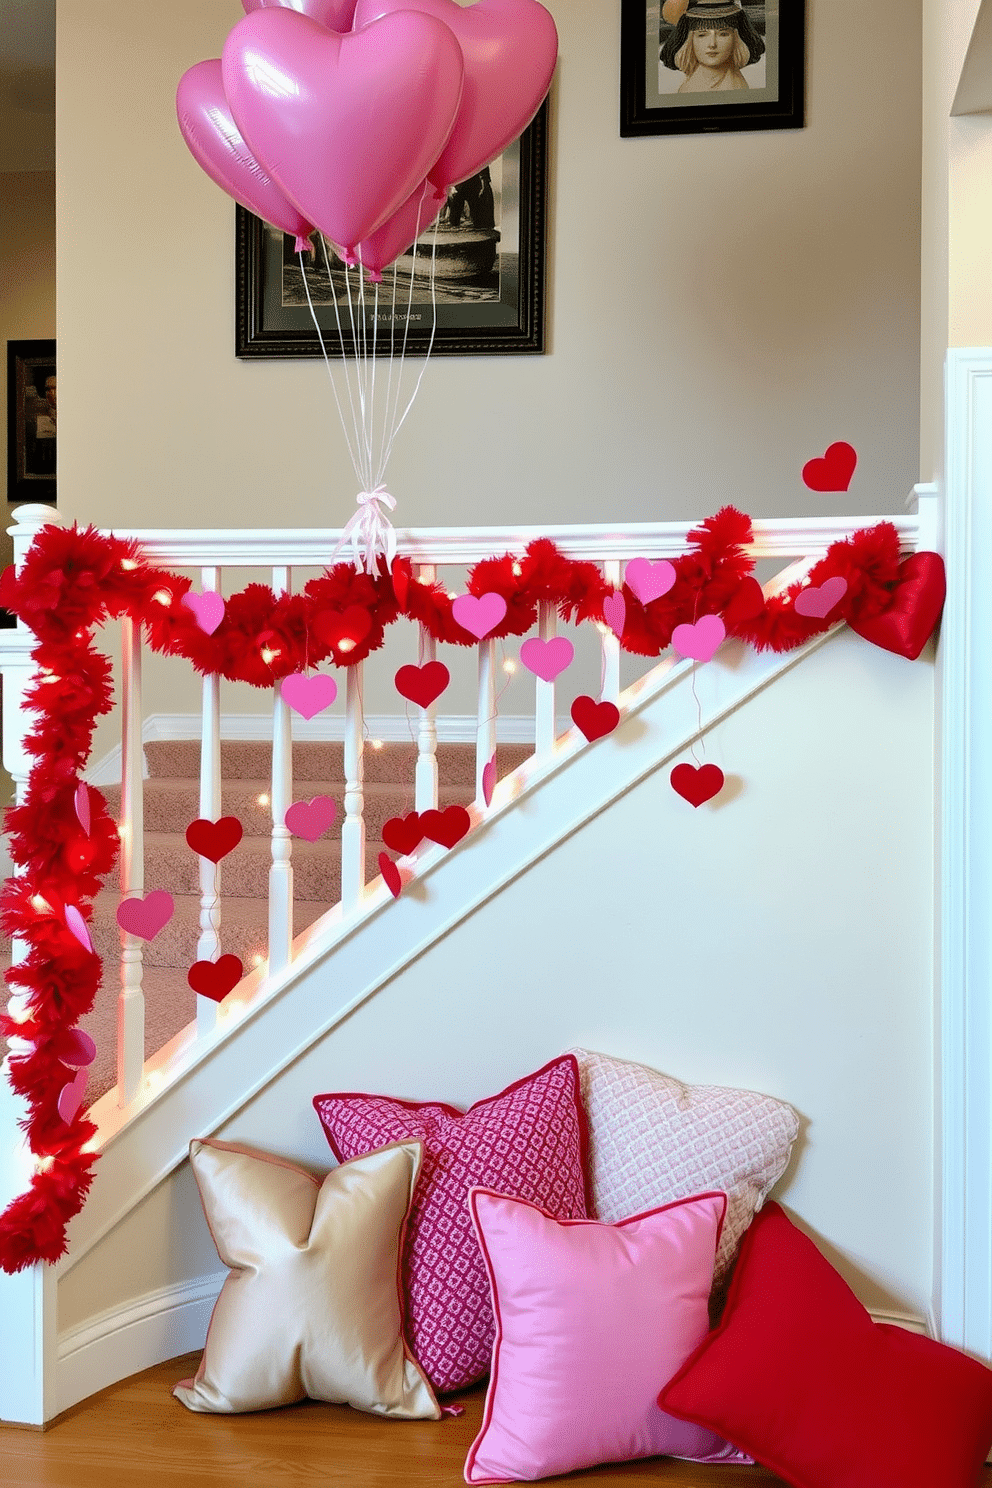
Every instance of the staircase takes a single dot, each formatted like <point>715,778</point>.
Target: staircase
<point>171,802</point>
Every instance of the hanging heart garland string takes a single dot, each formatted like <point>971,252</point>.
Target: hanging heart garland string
<point>74,579</point>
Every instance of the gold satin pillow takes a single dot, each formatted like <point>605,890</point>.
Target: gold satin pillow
<point>312,1305</point>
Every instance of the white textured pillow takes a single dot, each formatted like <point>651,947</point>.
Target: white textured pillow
<point>653,1139</point>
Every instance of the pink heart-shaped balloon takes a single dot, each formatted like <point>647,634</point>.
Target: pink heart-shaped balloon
<point>615,612</point>
<point>489,780</point>
<point>71,1096</point>
<point>216,144</point>
<point>399,231</point>
<point>76,1049</point>
<point>699,641</point>
<point>649,580</point>
<point>309,696</point>
<point>509,49</point>
<point>146,917</point>
<point>347,126</point>
<point>479,614</point>
<point>817,602</point>
<point>81,802</point>
<point>208,608</point>
<point>547,659</point>
<point>336,15</point>
<point>311,819</point>
<point>77,925</point>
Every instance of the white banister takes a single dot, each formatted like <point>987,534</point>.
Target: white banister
<point>281,871</point>
<point>131,999</point>
<point>353,826</point>
<point>426,772</point>
<point>208,945</point>
<point>544,697</point>
<point>610,691</point>
<point>485,746</point>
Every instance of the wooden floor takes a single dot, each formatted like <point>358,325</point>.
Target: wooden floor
<point>135,1433</point>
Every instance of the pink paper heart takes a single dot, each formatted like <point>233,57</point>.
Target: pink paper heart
<point>311,819</point>
<point>208,608</point>
<point>77,1049</point>
<point>699,641</point>
<point>509,48</point>
<point>347,126</point>
<point>817,602</point>
<point>309,696</point>
<point>77,925</point>
<point>71,1096</point>
<point>479,614</point>
<point>649,580</point>
<point>615,612</point>
<point>82,805</point>
<point>146,917</point>
<point>488,780</point>
<point>547,659</point>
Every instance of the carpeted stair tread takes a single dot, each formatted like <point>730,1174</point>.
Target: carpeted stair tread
<point>394,763</point>
<point>171,864</point>
<point>243,928</point>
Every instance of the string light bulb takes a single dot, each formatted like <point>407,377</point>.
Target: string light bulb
<point>346,644</point>
<point>269,656</point>
<point>262,800</point>
<point>127,564</point>
<point>377,743</point>
<point>509,666</point>
<point>517,569</point>
<point>44,1164</point>
<point>162,596</point>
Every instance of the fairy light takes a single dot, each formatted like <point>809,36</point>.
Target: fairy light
<point>346,644</point>
<point>517,570</point>
<point>44,1164</point>
<point>452,594</point>
<point>269,656</point>
<point>93,1145</point>
<point>377,743</point>
<point>263,799</point>
<point>127,564</point>
<point>257,959</point>
<point>39,903</point>
<point>509,666</point>
<point>162,596</point>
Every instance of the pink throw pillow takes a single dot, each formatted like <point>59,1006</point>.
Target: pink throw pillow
<point>589,1317</point>
<point>528,1141</point>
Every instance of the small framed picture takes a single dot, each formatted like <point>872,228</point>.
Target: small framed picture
<point>31,421</point>
<point>705,66</point>
<point>472,285</point>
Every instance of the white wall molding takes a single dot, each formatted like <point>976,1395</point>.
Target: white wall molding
<point>963,1283</point>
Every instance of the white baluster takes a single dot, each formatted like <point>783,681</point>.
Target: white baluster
<point>544,701</point>
<point>485,745</point>
<point>281,871</point>
<point>208,945</point>
<point>353,826</point>
<point>611,642</point>
<point>426,773</point>
<point>131,999</point>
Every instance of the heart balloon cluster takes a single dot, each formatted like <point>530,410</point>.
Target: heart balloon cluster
<point>356,118</point>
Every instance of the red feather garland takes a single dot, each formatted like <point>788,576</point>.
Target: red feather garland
<point>73,579</point>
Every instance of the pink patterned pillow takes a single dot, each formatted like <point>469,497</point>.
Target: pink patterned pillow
<point>653,1139</point>
<point>589,1317</point>
<point>529,1141</point>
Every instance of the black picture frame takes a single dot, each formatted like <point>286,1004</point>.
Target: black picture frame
<point>489,313</point>
<point>774,95</point>
<point>31,421</point>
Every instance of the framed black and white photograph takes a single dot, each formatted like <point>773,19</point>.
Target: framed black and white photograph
<point>705,66</point>
<point>471,286</point>
<point>31,421</point>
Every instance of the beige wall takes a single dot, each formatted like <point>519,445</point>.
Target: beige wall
<point>27,276</point>
<point>721,307</point>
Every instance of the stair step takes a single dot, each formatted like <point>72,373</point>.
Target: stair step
<point>171,864</point>
<point>243,931</point>
<point>170,805</point>
<point>393,764</point>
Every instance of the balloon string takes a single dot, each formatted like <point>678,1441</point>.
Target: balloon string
<point>430,344</point>
<point>327,363</point>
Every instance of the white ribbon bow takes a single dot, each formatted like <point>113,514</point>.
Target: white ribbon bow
<point>370,532</point>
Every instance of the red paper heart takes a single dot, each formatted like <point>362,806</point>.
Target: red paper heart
<point>909,622</point>
<point>390,874</point>
<point>445,827</point>
<point>697,785</point>
<point>423,684</point>
<point>214,840</point>
<point>401,584</point>
<point>8,587</point>
<point>402,833</point>
<point>594,719</point>
<point>833,470</point>
<point>214,979</point>
<point>748,603</point>
<point>342,630</point>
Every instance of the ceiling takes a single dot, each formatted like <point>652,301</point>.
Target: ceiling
<point>27,85</point>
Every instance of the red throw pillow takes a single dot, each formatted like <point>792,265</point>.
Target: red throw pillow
<point>528,1142</point>
<point>798,1375</point>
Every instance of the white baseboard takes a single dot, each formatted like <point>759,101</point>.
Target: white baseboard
<point>123,1341</point>
<point>393,728</point>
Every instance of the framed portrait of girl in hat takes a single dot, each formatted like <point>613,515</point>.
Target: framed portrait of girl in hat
<point>706,66</point>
